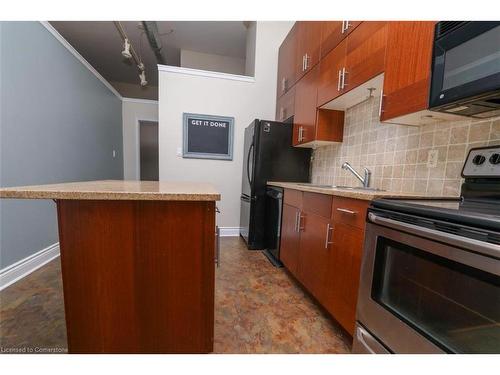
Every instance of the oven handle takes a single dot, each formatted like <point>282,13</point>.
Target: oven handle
<point>482,247</point>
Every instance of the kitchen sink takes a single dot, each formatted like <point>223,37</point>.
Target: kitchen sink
<point>362,188</point>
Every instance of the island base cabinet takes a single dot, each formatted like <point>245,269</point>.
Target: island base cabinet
<point>138,276</point>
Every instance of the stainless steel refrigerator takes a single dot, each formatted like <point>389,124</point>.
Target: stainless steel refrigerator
<point>268,156</point>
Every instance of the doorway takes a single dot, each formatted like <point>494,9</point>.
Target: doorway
<point>148,150</point>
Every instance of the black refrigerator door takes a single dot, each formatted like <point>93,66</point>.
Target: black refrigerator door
<point>246,181</point>
<point>248,159</point>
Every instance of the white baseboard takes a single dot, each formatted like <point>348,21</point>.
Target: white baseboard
<point>9,275</point>
<point>229,231</point>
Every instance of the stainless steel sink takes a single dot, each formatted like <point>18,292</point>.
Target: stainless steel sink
<point>341,187</point>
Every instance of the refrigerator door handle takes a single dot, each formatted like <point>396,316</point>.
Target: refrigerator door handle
<point>248,164</point>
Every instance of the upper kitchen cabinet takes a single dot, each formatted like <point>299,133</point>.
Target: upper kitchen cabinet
<point>312,126</point>
<point>330,76</point>
<point>333,32</point>
<point>357,61</point>
<point>308,46</point>
<point>285,105</point>
<point>286,62</point>
<point>365,54</point>
<point>407,75</point>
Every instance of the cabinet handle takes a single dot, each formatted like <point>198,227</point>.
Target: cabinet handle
<point>301,134</point>
<point>217,246</point>
<point>344,72</point>
<point>282,113</point>
<point>343,27</point>
<point>346,211</point>
<point>303,62</point>
<point>283,84</point>
<point>329,230</point>
<point>300,222</point>
<point>380,110</point>
<point>339,80</point>
<point>306,61</point>
<point>296,221</point>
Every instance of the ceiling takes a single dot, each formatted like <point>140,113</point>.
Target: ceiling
<point>100,44</point>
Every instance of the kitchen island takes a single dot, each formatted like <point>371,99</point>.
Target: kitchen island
<point>137,263</point>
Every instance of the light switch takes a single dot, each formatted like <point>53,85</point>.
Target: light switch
<point>179,151</point>
<point>114,153</point>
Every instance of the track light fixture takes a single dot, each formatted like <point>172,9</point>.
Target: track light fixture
<point>142,77</point>
<point>126,49</point>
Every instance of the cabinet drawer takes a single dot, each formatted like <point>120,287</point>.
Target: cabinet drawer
<point>293,198</point>
<point>349,211</point>
<point>319,204</point>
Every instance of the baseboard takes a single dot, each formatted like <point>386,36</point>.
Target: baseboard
<point>9,275</point>
<point>229,231</point>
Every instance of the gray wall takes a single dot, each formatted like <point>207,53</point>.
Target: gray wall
<point>58,123</point>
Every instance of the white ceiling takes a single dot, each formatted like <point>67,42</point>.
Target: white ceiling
<point>100,44</point>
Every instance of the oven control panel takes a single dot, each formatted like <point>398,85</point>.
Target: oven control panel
<point>482,162</point>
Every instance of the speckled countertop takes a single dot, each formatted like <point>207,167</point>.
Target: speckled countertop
<point>348,193</point>
<point>117,190</point>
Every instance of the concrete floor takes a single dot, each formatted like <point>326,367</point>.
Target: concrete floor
<point>258,309</point>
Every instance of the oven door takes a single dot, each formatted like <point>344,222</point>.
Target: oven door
<point>426,291</point>
<point>466,63</point>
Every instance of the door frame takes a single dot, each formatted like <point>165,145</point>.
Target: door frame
<point>138,120</point>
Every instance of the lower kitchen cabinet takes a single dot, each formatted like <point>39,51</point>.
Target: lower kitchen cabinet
<point>313,253</point>
<point>321,244</point>
<point>342,282</point>
<point>290,235</point>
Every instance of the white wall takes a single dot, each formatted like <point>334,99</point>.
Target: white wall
<point>215,63</point>
<point>244,100</point>
<point>132,112</point>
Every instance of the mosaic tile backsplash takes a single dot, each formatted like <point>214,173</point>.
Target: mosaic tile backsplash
<point>397,155</point>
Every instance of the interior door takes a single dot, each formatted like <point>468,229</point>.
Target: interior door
<point>148,150</point>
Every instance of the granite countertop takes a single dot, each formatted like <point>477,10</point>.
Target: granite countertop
<point>117,190</point>
<point>348,193</point>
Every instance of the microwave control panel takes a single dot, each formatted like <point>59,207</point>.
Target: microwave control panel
<point>482,162</point>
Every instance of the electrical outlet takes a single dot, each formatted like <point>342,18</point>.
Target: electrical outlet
<point>114,153</point>
<point>432,158</point>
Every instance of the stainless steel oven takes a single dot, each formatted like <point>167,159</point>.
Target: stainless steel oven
<point>426,291</point>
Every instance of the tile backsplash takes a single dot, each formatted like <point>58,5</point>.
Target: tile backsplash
<point>397,155</point>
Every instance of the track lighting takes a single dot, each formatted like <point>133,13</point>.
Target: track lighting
<point>126,49</point>
<point>142,76</point>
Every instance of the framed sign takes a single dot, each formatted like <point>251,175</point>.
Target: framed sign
<point>207,137</point>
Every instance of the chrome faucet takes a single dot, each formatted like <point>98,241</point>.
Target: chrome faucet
<point>365,181</point>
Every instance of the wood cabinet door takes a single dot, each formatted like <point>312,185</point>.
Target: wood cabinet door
<point>289,243</point>
<point>342,278</point>
<point>407,68</point>
<point>287,62</point>
<point>365,55</point>
<point>304,123</point>
<point>285,105</point>
<point>313,253</point>
<point>333,32</point>
<point>329,81</point>
<point>308,46</point>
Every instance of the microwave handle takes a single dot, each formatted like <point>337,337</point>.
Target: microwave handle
<point>471,244</point>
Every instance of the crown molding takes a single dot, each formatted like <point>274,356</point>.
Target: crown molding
<point>204,73</point>
<point>137,100</point>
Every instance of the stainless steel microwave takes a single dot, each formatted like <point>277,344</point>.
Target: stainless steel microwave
<point>466,68</point>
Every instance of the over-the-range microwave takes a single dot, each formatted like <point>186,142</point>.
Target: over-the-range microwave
<point>466,68</point>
